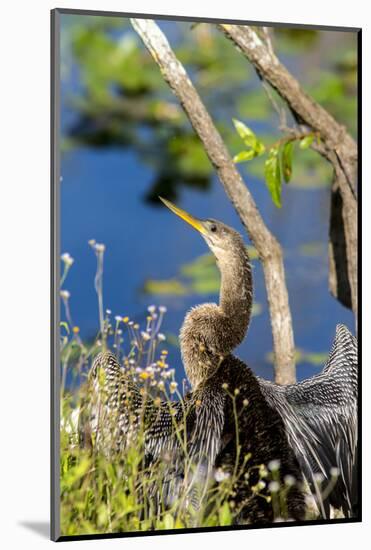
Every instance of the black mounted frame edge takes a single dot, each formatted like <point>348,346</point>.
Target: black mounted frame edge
<point>55,276</point>
<point>71,11</point>
<point>359,266</point>
<point>197,530</point>
<point>55,273</point>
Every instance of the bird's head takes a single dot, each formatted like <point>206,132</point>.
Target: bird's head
<point>221,239</point>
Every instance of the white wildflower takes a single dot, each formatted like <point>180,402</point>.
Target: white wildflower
<point>145,335</point>
<point>289,480</point>
<point>274,465</point>
<point>318,477</point>
<point>65,294</point>
<point>274,486</point>
<point>151,309</point>
<point>162,309</point>
<point>161,337</point>
<point>67,259</point>
<point>166,374</point>
<point>220,475</point>
<point>173,386</point>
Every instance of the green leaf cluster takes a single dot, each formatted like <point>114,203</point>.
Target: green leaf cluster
<point>255,148</point>
<point>272,173</point>
<point>278,165</point>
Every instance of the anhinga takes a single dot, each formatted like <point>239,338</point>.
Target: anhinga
<point>309,427</point>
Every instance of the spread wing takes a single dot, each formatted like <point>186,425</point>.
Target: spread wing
<point>320,416</point>
<point>116,413</point>
<point>182,437</point>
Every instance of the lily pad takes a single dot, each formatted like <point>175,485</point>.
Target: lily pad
<point>316,359</point>
<point>165,286</point>
<point>200,276</point>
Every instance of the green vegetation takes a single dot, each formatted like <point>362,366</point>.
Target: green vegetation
<point>115,104</point>
<point>103,492</point>
<point>105,489</point>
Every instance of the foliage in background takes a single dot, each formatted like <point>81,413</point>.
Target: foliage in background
<point>115,104</point>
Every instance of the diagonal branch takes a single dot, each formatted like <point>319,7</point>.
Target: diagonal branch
<point>267,246</point>
<point>337,146</point>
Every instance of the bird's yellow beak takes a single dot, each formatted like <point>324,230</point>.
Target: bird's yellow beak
<point>194,222</point>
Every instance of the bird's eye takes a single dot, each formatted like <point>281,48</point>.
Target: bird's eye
<point>213,228</point>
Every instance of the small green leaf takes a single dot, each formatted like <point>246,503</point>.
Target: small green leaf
<point>306,141</point>
<point>225,516</point>
<point>244,156</point>
<point>272,175</point>
<point>260,148</point>
<point>247,135</point>
<point>65,326</point>
<point>168,521</point>
<point>287,160</point>
<point>249,139</point>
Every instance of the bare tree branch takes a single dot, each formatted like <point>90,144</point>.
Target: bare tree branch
<point>267,246</point>
<point>338,147</point>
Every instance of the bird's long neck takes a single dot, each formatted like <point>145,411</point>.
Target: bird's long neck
<point>236,292</point>
<point>210,332</point>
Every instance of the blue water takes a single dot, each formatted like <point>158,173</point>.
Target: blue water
<point>102,198</point>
